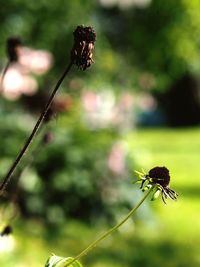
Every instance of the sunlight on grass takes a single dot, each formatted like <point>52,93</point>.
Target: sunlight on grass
<point>171,231</point>
<point>178,150</point>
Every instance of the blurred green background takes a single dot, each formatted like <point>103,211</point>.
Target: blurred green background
<point>137,107</point>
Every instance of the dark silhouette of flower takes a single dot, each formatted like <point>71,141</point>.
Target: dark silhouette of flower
<point>13,45</point>
<point>6,230</point>
<point>159,178</point>
<point>160,175</point>
<point>82,51</point>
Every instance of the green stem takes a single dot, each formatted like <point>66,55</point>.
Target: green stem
<point>110,231</point>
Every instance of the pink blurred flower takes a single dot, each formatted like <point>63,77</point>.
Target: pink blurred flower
<point>116,159</point>
<point>36,61</point>
<point>89,99</point>
<point>18,79</point>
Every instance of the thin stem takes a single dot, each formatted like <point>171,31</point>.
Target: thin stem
<point>110,231</point>
<point>3,75</point>
<point>34,131</point>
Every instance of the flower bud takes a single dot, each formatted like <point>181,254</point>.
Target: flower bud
<point>156,194</point>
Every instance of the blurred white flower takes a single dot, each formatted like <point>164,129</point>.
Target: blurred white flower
<point>19,79</point>
<point>102,109</point>
<point>98,108</point>
<point>7,243</point>
<point>17,82</point>
<point>36,61</point>
<point>125,4</point>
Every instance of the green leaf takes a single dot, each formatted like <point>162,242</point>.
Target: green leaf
<point>147,187</point>
<point>56,261</point>
<point>140,174</point>
<point>156,194</point>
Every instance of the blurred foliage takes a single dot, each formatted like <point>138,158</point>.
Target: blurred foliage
<point>138,48</point>
<point>168,238</point>
<point>162,40</point>
<point>66,175</point>
<point>70,176</point>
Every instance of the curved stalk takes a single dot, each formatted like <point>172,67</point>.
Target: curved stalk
<point>110,231</point>
<point>34,131</point>
<point>3,76</point>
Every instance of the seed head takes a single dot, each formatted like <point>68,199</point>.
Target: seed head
<point>160,175</point>
<point>82,51</point>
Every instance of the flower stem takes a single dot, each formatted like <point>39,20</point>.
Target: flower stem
<point>110,231</point>
<point>3,76</point>
<point>34,131</point>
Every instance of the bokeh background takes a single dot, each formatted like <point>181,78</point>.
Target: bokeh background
<point>137,107</point>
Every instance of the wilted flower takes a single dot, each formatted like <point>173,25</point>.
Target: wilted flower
<point>159,178</point>
<point>13,45</point>
<point>82,51</point>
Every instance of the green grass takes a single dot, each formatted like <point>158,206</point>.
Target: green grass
<point>169,235</point>
<point>179,151</point>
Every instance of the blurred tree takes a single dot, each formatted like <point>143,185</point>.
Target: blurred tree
<point>163,40</point>
<point>156,38</point>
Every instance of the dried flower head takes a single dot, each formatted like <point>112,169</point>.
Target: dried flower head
<point>82,51</point>
<point>13,44</point>
<point>159,178</point>
<point>160,175</point>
